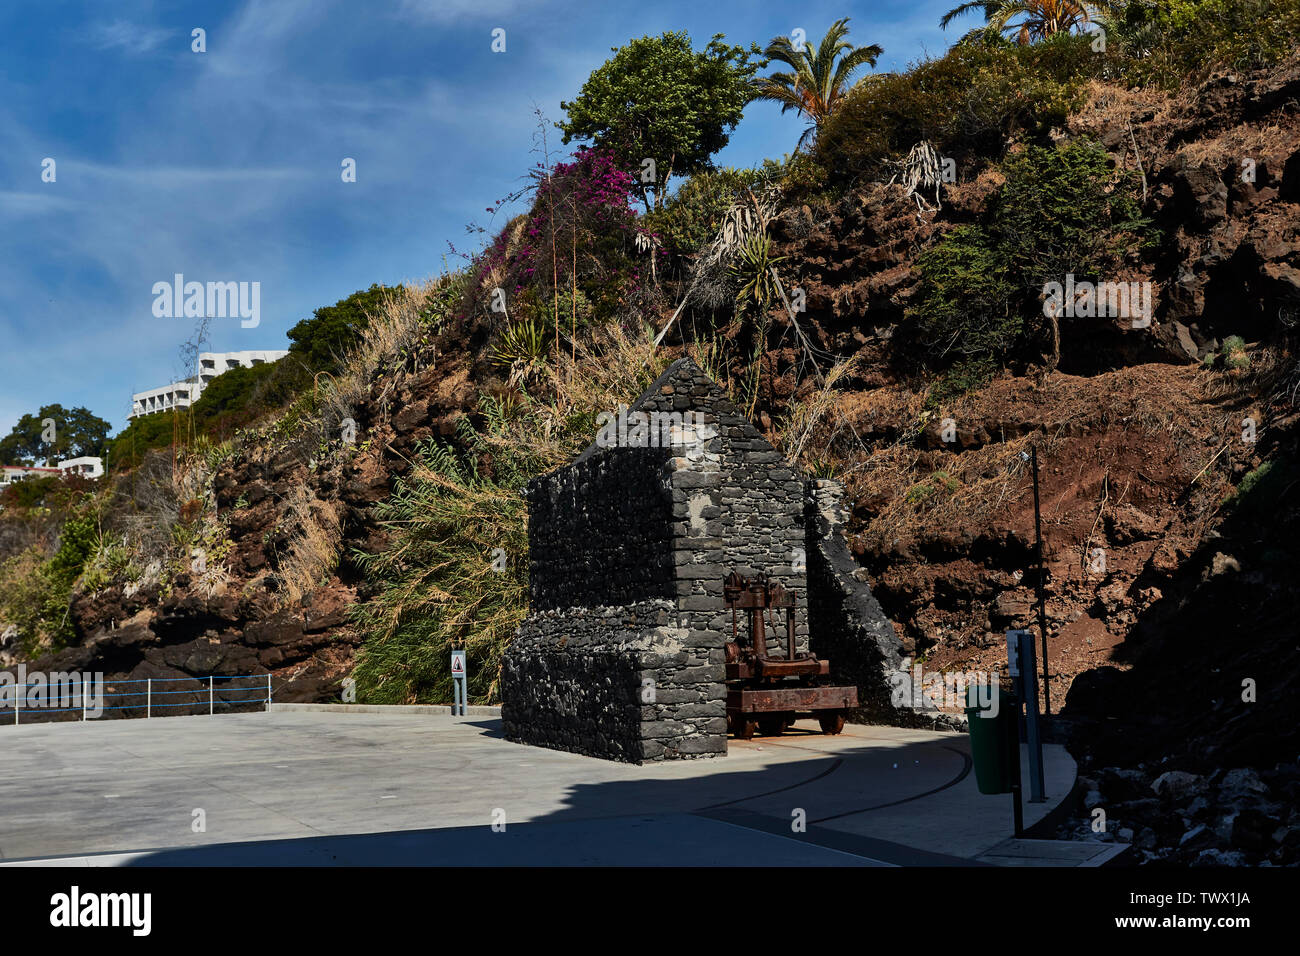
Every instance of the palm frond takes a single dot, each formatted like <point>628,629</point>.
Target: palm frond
<point>818,79</point>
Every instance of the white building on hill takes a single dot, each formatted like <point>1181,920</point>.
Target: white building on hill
<point>175,395</point>
<point>185,393</point>
<point>88,466</point>
<point>12,473</point>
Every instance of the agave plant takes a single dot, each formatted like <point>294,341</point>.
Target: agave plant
<point>1032,20</point>
<point>817,82</point>
<point>754,271</point>
<point>522,348</point>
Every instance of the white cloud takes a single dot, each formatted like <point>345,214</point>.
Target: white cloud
<point>131,38</point>
<point>450,11</point>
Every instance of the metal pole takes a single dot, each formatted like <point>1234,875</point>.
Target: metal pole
<point>83,699</point>
<point>148,700</point>
<point>18,699</point>
<point>268,690</point>
<point>1017,811</point>
<point>209,695</point>
<point>1032,738</point>
<point>1042,574</point>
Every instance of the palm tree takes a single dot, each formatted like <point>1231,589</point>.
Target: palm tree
<point>816,84</point>
<point>1041,18</point>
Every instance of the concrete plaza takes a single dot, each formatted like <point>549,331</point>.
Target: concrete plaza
<point>297,786</point>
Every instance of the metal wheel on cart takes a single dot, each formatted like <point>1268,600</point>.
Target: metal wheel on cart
<point>774,725</point>
<point>742,727</point>
<point>832,723</point>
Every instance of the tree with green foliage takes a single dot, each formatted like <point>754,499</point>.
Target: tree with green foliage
<point>333,329</point>
<point>1060,212</point>
<point>53,434</point>
<point>816,83</point>
<point>1039,19</point>
<point>658,99</point>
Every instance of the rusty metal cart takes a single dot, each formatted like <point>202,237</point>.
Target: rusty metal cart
<point>767,693</point>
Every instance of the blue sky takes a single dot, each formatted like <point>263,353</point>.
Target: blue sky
<point>225,165</point>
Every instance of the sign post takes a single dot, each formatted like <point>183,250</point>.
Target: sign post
<point>1020,657</point>
<point>458,683</point>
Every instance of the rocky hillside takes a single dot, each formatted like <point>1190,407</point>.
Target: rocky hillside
<point>1167,470</point>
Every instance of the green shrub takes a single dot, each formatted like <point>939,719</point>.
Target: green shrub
<point>1233,352</point>
<point>803,179</point>
<point>523,345</point>
<point>979,299</point>
<point>77,542</point>
<point>1262,492</point>
<point>967,103</point>
<point>963,376</point>
<point>939,483</point>
<point>751,271</point>
<point>691,216</point>
<point>334,329</point>
<point>1059,213</point>
<point>442,582</point>
<point>35,593</point>
<point>26,598</point>
<point>1173,41</point>
<point>31,492</point>
<point>966,304</point>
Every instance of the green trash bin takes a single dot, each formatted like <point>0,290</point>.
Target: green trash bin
<point>994,742</point>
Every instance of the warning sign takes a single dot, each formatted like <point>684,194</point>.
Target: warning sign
<point>457,663</point>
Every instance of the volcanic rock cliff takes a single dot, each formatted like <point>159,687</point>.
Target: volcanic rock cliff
<point>1167,553</point>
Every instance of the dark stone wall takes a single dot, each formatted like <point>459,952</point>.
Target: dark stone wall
<point>622,654</point>
<point>848,625</point>
<point>575,683</point>
<point>599,531</point>
<point>623,683</point>
<point>621,676</point>
<point>751,519</point>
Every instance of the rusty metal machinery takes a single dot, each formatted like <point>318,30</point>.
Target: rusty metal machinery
<point>767,693</point>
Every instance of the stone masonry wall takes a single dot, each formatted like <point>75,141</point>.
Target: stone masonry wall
<point>849,628</point>
<point>575,677</point>
<point>753,521</point>
<point>604,664</point>
<point>599,531</point>
<point>622,654</point>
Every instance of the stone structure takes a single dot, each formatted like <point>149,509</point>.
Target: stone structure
<point>621,655</point>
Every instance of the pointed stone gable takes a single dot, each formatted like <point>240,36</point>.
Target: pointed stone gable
<point>683,387</point>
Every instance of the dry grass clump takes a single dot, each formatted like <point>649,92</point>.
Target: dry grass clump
<point>553,419</point>
<point>397,338</point>
<point>820,416</point>
<point>315,544</point>
<point>455,576</point>
<point>144,505</point>
<point>455,571</point>
<point>920,501</point>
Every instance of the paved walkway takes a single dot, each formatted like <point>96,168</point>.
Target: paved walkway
<point>306,788</point>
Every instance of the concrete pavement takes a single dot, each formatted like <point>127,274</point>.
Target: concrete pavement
<point>320,787</point>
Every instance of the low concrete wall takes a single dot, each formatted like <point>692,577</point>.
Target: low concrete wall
<point>438,710</point>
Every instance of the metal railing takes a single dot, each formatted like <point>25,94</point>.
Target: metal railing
<point>207,693</point>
